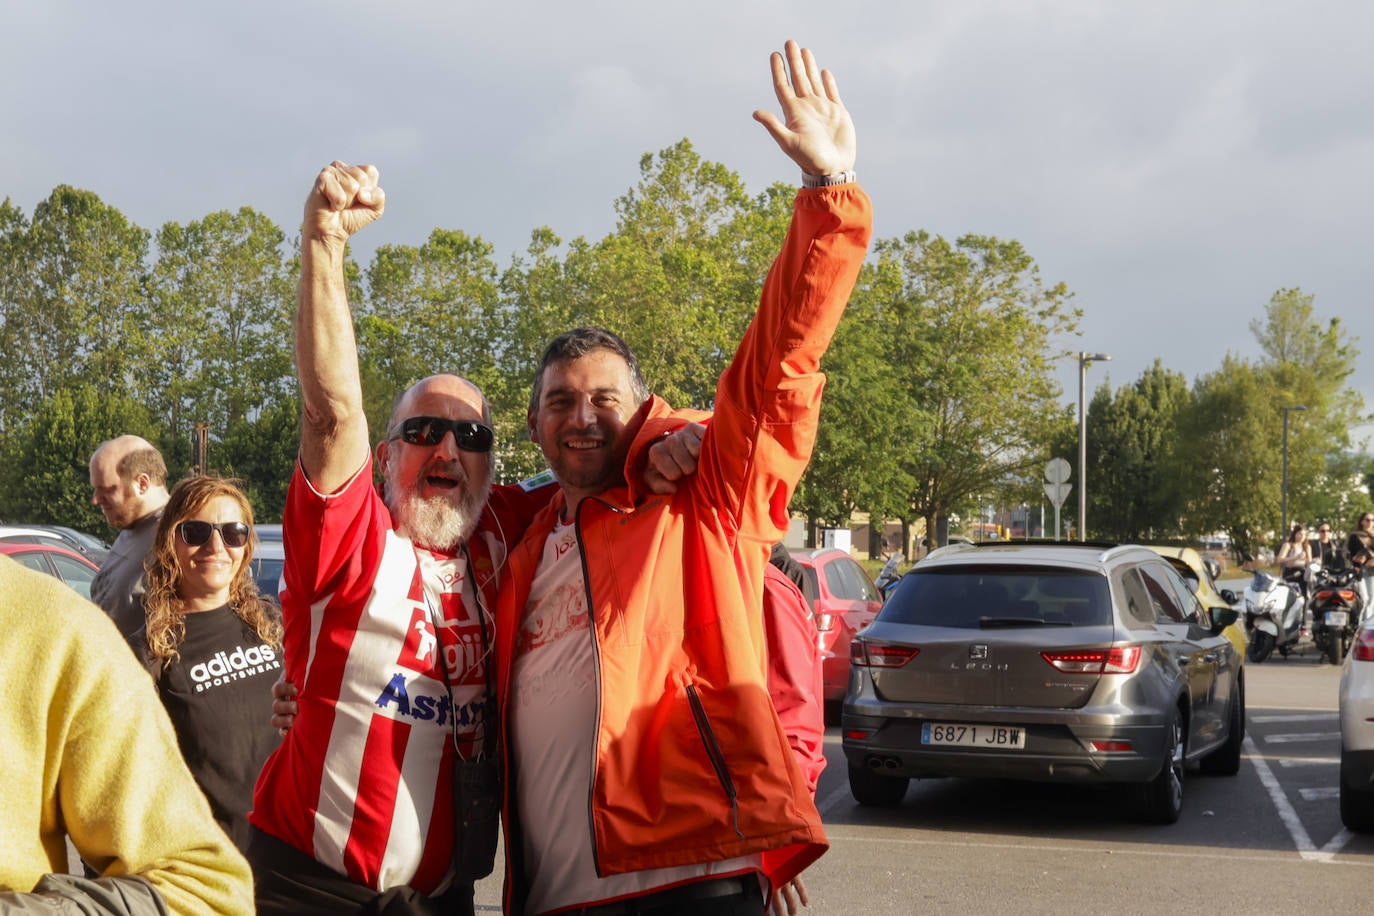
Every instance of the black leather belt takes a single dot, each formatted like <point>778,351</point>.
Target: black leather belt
<point>742,886</point>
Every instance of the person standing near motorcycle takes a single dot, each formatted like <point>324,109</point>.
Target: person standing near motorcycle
<point>1293,558</point>
<point>1326,551</point>
<point>1359,547</point>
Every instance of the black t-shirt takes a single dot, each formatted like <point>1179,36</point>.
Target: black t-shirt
<point>219,697</point>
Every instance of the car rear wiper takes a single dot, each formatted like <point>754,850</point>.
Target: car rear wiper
<point>988,623</point>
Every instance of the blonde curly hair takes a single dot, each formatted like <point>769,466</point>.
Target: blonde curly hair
<point>162,603</point>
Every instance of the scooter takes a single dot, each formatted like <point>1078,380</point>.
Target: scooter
<point>1336,610</point>
<point>889,576</point>
<point>1273,616</point>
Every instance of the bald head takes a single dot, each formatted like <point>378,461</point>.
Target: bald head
<point>447,396</point>
<point>128,480</point>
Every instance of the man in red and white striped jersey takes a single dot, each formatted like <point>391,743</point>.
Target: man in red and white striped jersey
<point>385,603</point>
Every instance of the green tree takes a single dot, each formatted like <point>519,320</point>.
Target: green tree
<point>15,281</point>
<point>1309,362</point>
<point>73,315</point>
<point>968,326</point>
<point>1134,446</point>
<point>262,453</point>
<point>45,468</point>
<point>1233,477</point>
<point>219,345</point>
<point>428,309</point>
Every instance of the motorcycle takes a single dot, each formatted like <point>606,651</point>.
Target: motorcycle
<point>1274,612</point>
<point>1336,610</point>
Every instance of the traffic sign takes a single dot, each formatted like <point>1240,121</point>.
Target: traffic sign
<point>1058,492</point>
<point>1058,471</point>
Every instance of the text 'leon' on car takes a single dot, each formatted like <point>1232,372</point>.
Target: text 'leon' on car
<point>1044,661</point>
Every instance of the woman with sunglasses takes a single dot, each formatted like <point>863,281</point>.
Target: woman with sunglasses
<point>212,643</point>
<point>1359,547</point>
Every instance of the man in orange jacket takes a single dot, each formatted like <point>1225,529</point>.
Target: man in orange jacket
<point>646,769</point>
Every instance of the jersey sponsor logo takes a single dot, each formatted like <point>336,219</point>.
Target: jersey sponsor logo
<point>461,647</point>
<point>401,700</point>
<point>239,663</point>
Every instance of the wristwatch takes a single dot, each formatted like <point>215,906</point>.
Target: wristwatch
<point>825,181</point>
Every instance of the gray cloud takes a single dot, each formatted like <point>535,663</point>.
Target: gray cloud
<point>1174,163</point>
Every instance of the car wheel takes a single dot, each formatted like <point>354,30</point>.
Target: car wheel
<point>1225,760</point>
<point>1163,795</point>
<point>1261,644</point>
<point>1357,805</point>
<point>870,787</point>
<point>1335,648</point>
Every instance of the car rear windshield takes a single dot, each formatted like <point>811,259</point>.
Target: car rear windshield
<point>987,597</point>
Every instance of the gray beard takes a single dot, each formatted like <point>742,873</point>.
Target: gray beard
<point>437,523</point>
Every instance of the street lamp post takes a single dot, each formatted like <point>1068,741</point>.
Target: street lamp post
<point>1083,359</point>
<point>1284,531</point>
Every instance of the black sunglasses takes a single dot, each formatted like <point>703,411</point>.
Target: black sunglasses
<point>197,533</point>
<point>468,435</point>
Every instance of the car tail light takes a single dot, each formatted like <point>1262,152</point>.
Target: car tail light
<point>1107,746</point>
<point>1111,660</point>
<point>825,622</point>
<point>1363,650</point>
<point>876,655</point>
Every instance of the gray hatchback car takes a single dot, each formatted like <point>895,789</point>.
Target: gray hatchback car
<point>1044,661</point>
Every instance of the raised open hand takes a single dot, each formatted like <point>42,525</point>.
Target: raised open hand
<point>815,130</point>
<point>345,198</point>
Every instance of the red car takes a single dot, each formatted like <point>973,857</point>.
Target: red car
<point>844,600</point>
<point>59,562</point>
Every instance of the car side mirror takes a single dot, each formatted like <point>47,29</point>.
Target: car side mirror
<point>1223,617</point>
<point>1228,596</point>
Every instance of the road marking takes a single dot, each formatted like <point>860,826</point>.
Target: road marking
<point>1306,848</point>
<point>1300,736</point>
<point>1322,794</point>
<point>1191,854</point>
<point>1302,718</point>
<point>1289,763</point>
<point>1337,842</point>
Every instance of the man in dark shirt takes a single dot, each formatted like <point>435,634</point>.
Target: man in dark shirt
<point>129,484</point>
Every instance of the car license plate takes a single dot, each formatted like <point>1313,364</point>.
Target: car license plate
<point>960,735</point>
<point>1336,618</point>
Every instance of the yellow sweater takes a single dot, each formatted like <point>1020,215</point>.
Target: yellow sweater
<point>86,749</point>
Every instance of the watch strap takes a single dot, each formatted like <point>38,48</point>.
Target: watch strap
<point>825,181</point>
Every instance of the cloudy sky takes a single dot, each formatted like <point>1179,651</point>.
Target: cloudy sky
<point>1174,163</point>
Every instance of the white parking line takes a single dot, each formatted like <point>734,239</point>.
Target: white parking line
<point>1300,736</point>
<point>1304,717</point>
<point>1281,804</point>
<point>1322,794</point>
<point>1306,848</point>
<point>1289,763</point>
